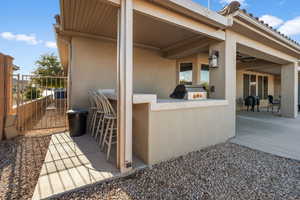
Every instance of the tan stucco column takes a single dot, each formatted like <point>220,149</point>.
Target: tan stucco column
<point>223,78</point>
<point>125,94</point>
<point>289,90</point>
<point>196,71</point>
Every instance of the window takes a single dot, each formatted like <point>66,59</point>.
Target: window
<point>252,85</point>
<point>255,86</point>
<point>204,76</point>
<point>246,85</point>
<point>260,87</point>
<point>265,88</point>
<point>186,73</point>
<point>249,85</point>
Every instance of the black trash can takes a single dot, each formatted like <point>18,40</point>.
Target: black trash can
<point>77,121</point>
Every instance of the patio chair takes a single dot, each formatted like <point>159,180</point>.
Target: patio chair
<point>92,109</point>
<point>101,123</point>
<point>272,103</point>
<point>97,115</point>
<point>109,126</point>
<point>252,101</point>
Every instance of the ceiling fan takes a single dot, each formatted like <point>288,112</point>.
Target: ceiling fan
<point>245,58</point>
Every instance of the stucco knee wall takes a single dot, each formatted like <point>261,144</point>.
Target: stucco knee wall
<point>94,65</point>
<point>174,133</point>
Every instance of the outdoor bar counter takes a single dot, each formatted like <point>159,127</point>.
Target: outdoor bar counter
<point>168,104</point>
<point>167,128</point>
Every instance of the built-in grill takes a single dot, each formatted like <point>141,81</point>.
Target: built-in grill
<point>189,92</point>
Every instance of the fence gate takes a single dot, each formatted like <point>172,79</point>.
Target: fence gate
<point>40,102</point>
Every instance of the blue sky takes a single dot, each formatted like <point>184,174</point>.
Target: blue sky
<point>26,29</point>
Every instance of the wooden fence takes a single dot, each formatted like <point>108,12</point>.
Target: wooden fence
<point>6,70</point>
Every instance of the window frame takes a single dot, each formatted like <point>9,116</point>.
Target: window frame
<point>179,71</point>
<point>261,89</point>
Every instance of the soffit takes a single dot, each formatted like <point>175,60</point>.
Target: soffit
<point>156,33</point>
<point>100,19</point>
<point>93,17</point>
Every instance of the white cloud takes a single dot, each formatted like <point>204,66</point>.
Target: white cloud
<point>225,2</point>
<point>7,35</point>
<point>271,20</point>
<point>51,44</point>
<point>29,39</point>
<point>291,27</point>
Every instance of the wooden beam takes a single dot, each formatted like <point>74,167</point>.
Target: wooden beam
<point>188,49</point>
<point>181,43</point>
<point>105,38</point>
<point>256,65</point>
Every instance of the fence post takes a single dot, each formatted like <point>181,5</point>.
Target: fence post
<point>2,98</point>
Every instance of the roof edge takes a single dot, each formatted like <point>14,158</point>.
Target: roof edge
<point>233,9</point>
<point>267,28</point>
<point>196,11</point>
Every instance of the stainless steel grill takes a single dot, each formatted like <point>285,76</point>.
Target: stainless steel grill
<point>195,93</point>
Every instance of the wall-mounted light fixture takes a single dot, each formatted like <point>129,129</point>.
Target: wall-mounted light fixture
<point>214,59</point>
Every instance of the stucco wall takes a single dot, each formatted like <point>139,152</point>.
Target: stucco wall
<point>277,86</point>
<point>140,131</point>
<point>177,132</point>
<point>94,65</point>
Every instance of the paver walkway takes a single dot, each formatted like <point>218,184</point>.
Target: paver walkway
<point>269,133</point>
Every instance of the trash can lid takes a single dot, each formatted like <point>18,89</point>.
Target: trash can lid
<point>79,110</point>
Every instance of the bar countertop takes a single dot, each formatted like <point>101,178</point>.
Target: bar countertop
<point>169,104</point>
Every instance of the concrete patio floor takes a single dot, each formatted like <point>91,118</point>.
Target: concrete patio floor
<point>71,163</point>
<point>269,132</point>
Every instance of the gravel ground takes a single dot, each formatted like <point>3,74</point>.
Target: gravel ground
<point>21,160</point>
<point>225,171</point>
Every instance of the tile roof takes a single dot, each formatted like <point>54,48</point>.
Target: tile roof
<point>268,26</point>
<point>234,6</point>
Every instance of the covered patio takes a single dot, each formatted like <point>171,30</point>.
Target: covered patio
<point>138,50</point>
<point>269,133</point>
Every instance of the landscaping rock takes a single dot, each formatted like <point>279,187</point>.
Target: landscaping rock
<point>224,171</point>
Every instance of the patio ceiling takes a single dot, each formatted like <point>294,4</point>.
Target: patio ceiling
<point>94,18</point>
<point>99,20</point>
<point>251,63</point>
